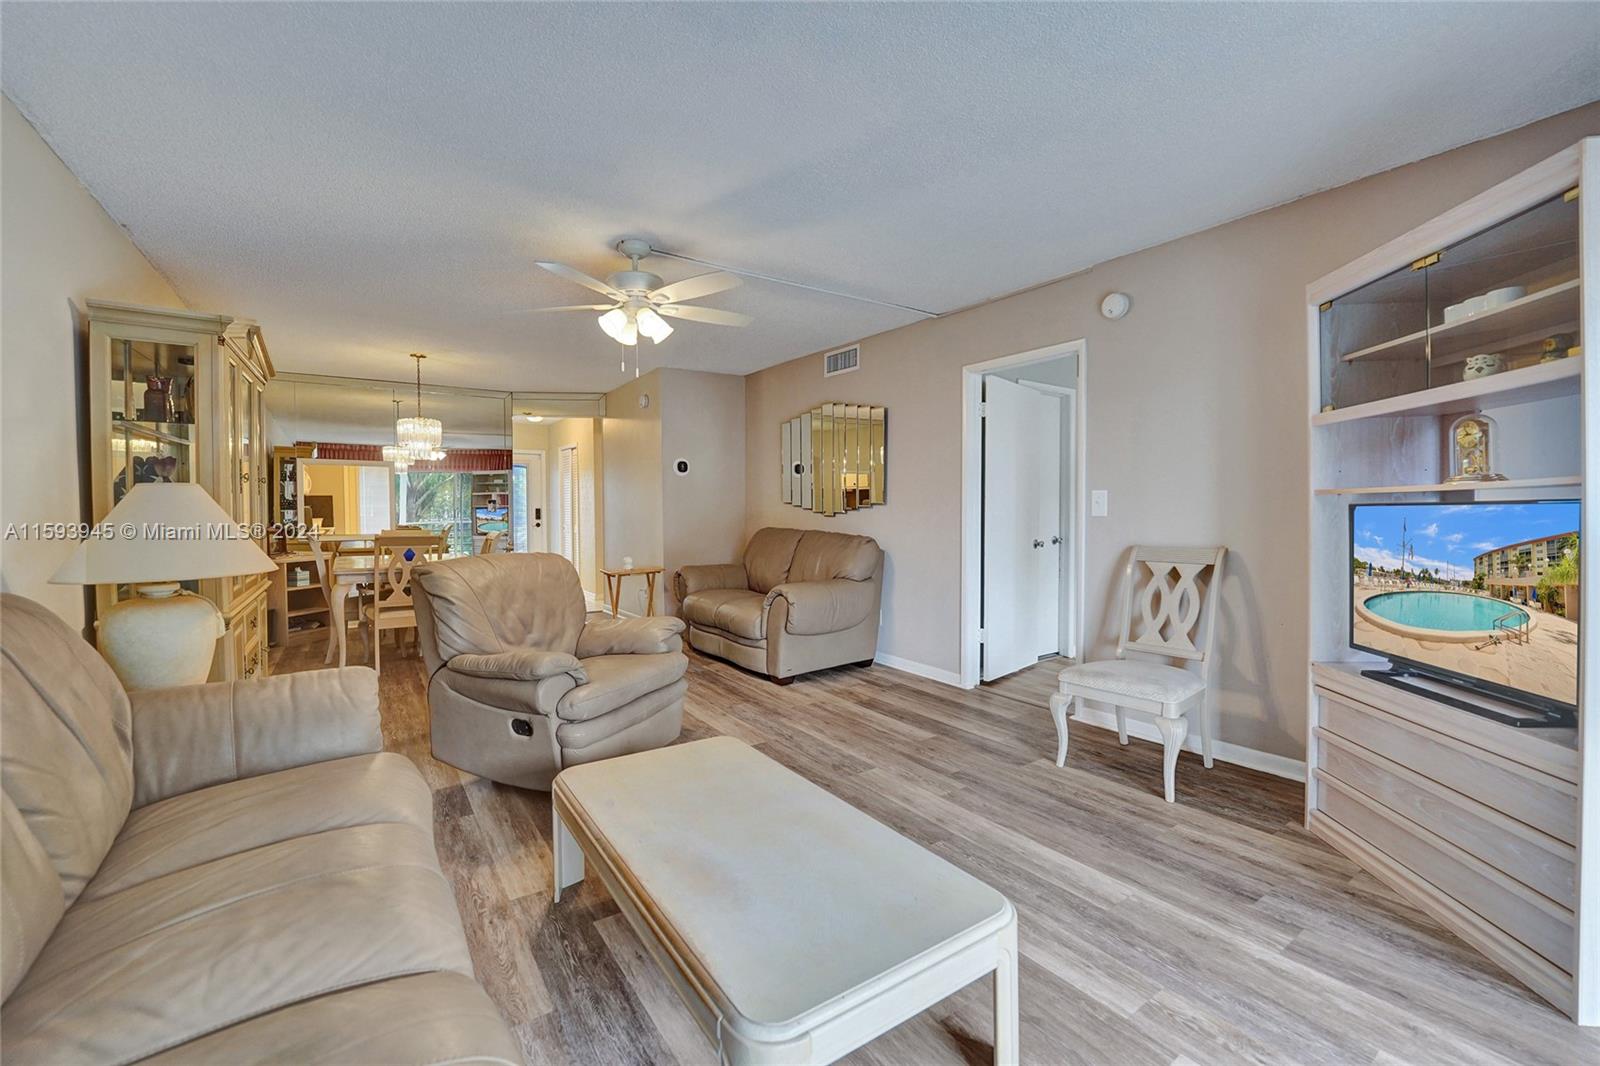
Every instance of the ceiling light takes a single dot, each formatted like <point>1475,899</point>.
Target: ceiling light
<point>394,454</point>
<point>619,326</point>
<point>653,325</point>
<point>526,417</point>
<point>420,437</point>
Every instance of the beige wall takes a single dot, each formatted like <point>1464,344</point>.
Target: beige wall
<point>634,518</point>
<point>584,434</point>
<point>57,248</point>
<point>1196,419</point>
<point>703,421</point>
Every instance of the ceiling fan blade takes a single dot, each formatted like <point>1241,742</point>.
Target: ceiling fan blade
<point>696,287</point>
<point>566,307</point>
<point>582,279</point>
<point>709,315</point>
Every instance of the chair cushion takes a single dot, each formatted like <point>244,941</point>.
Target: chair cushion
<point>768,555</point>
<point>426,1017</point>
<point>489,603</point>
<point>615,680</point>
<point>823,555</point>
<point>67,763</point>
<point>737,611</point>
<point>1141,681</point>
<point>212,823</point>
<point>176,957</point>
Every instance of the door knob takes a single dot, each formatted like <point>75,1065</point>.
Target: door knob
<point>1038,544</point>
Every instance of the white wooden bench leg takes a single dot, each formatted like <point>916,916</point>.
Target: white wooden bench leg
<point>1060,707</point>
<point>1122,726</point>
<point>1006,1007</point>
<point>1173,730</point>
<point>565,855</point>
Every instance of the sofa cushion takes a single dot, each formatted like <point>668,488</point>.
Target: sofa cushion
<point>32,895</point>
<point>737,611</point>
<point>768,555</point>
<point>67,763</point>
<point>428,1017</point>
<point>618,679</point>
<point>481,604</point>
<point>212,823</point>
<point>822,556</point>
<point>176,957</point>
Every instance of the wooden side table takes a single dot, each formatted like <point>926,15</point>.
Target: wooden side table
<point>614,585</point>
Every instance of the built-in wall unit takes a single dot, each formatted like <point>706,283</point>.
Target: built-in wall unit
<point>176,396</point>
<point>1449,383</point>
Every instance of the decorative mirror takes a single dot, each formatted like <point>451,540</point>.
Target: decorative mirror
<point>833,458</point>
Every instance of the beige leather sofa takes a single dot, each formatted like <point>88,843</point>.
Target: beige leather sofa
<point>220,873</point>
<point>522,682</point>
<point>800,600</point>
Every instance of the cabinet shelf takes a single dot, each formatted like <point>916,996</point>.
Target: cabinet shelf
<point>1541,381</point>
<point>1520,483</point>
<point>1552,310</point>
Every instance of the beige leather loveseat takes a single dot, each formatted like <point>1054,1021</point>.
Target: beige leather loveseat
<point>800,600</point>
<point>522,681</point>
<point>227,873</point>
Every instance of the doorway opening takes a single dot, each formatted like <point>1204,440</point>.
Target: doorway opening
<point>529,501</point>
<point>1022,541</point>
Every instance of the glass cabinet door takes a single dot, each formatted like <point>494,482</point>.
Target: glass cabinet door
<point>1501,300</point>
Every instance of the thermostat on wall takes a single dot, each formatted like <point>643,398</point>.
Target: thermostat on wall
<point>1115,305</point>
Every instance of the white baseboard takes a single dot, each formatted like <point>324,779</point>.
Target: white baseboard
<point>932,673</point>
<point>1237,754</point>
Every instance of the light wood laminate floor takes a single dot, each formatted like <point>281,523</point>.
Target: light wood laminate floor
<point>1212,931</point>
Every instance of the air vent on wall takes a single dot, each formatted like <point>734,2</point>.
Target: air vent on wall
<point>842,361</point>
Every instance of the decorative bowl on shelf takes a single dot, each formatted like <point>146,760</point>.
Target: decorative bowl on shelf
<point>1500,297</point>
<point>1482,365</point>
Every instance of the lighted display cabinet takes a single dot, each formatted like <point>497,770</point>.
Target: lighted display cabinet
<point>1493,830</point>
<point>177,396</point>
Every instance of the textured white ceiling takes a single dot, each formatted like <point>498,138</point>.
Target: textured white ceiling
<point>368,180</point>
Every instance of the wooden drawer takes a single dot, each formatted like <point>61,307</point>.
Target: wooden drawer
<point>1526,916</point>
<point>1521,792</point>
<point>1536,859</point>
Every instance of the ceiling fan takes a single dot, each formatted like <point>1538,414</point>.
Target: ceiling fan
<point>639,300</point>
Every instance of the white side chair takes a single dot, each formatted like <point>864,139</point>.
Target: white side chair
<point>1170,589</point>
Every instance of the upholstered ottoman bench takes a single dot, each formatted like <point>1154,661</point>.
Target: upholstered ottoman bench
<point>794,927</point>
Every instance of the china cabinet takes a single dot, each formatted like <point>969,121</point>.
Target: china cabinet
<point>1484,312</point>
<point>177,396</point>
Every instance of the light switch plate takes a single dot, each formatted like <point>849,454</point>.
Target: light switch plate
<point>1099,503</point>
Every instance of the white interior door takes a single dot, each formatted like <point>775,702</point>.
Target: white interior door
<point>1021,526</point>
<point>535,505</point>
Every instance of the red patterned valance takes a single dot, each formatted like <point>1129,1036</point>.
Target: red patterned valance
<point>456,460</point>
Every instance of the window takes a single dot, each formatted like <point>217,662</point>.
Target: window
<point>435,499</point>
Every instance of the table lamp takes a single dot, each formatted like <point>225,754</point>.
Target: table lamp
<point>161,534</point>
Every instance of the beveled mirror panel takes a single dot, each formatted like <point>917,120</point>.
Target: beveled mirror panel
<point>833,458</point>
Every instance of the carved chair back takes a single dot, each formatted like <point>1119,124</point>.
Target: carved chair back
<point>1169,603</point>
<point>393,556</point>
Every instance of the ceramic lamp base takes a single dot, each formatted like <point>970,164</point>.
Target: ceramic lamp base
<point>161,637</point>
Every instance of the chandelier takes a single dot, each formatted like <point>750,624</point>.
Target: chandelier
<point>394,454</point>
<point>420,438</point>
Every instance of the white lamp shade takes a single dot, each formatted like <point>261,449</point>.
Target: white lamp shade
<point>164,532</point>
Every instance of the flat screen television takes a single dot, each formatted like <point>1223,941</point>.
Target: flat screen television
<point>1482,596</point>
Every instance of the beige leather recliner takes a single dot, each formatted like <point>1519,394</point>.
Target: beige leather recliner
<point>234,872</point>
<point>800,600</point>
<point>523,682</point>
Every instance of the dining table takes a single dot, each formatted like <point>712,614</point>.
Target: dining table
<point>352,569</point>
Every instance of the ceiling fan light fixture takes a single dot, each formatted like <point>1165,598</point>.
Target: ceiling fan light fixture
<point>619,326</point>
<point>653,325</point>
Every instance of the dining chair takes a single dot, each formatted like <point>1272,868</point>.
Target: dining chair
<point>1173,591</point>
<point>325,557</point>
<point>490,541</point>
<point>444,539</point>
<point>389,606</point>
